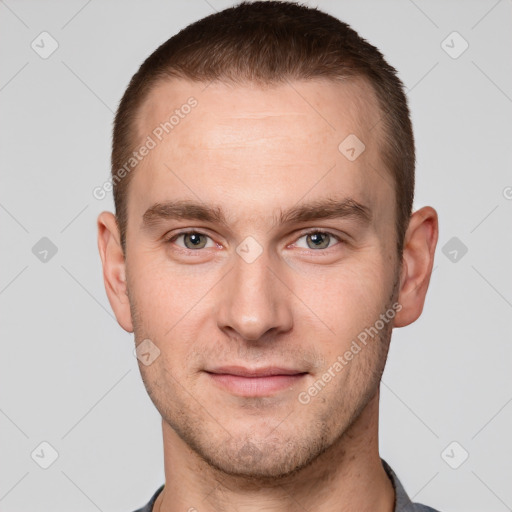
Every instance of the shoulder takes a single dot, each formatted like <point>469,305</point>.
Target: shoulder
<point>148,507</point>
<point>402,502</point>
<point>418,507</point>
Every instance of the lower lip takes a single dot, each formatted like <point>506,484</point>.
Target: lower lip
<point>255,386</point>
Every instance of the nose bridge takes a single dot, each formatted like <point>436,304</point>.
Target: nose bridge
<point>254,300</point>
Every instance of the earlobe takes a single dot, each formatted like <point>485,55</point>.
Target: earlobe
<point>417,263</point>
<point>114,269</point>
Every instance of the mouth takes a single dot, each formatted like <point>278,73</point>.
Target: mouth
<point>255,382</point>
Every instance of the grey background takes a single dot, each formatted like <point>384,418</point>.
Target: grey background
<point>68,375</point>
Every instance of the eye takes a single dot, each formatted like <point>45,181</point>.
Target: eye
<point>318,240</point>
<point>192,240</point>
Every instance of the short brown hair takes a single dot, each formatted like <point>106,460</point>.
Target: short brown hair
<point>271,42</point>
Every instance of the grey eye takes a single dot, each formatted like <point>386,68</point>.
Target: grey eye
<point>194,240</point>
<point>318,240</point>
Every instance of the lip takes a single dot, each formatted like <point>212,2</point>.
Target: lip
<point>266,371</point>
<point>252,382</point>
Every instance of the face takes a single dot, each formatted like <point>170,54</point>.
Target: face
<point>257,254</point>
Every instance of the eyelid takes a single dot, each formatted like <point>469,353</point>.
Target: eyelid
<point>307,231</point>
<point>182,231</point>
<point>169,239</point>
<point>324,231</point>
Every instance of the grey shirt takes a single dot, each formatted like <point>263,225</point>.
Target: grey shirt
<point>402,502</point>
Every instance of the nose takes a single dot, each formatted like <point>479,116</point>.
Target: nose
<point>254,303</point>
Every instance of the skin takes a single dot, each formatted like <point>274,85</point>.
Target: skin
<point>254,151</point>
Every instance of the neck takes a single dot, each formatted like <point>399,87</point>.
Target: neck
<point>348,476</point>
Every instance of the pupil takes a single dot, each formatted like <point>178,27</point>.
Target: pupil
<point>193,240</point>
<point>319,239</point>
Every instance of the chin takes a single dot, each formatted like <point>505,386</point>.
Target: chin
<point>266,461</point>
<point>254,466</point>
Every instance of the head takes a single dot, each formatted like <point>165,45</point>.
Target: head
<point>268,223</point>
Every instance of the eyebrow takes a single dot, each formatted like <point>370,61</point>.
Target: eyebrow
<point>328,208</point>
<point>186,209</point>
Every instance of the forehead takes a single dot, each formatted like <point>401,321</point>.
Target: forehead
<point>268,142</point>
<point>327,105</point>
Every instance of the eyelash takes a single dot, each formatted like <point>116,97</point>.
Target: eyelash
<point>171,239</point>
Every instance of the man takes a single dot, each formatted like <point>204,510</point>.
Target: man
<point>262,250</point>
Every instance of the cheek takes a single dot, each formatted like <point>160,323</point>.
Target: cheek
<point>163,291</point>
<point>171,306</point>
<point>344,299</point>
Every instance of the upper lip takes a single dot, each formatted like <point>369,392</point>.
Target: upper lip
<point>266,371</point>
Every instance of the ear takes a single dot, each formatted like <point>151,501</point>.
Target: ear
<point>417,262</point>
<point>114,270</point>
